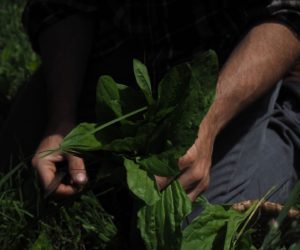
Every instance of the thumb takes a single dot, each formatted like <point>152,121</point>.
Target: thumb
<point>163,181</point>
<point>77,170</point>
<point>188,158</point>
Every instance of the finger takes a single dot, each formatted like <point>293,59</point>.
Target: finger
<point>52,187</point>
<point>188,180</point>
<point>199,189</point>
<point>60,189</point>
<point>188,158</point>
<point>77,170</point>
<point>66,190</point>
<point>55,157</point>
<point>52,156</point>
<point>162,181</point>
<point>46,171</point>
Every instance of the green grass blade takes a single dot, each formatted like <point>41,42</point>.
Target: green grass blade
<point>6,177</point>
<point>274,231</point>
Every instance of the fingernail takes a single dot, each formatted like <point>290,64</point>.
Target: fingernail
<point>81,178</point>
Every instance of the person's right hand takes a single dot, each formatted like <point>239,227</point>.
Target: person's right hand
<point>46,167</point>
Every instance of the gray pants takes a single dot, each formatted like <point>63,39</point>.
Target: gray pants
<point>258,150</point>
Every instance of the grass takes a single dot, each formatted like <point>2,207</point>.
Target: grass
<point>17,60</point>
<point>27,221</point>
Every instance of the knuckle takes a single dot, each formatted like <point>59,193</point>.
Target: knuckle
<point>197,174</point>
<point>162,182</point>
<point>205,185</point>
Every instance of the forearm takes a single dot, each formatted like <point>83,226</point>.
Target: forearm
<point>65,49</point>
<point>258,62</point>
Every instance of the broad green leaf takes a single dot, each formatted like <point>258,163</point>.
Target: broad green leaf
<point>205,69</point>
<point>179,114</point>
<point>143,79</point>
<point>235,221</point>
<point>207,231</point>
<point>161,114</point>
<point>131,145</point>
<point>217,227</point>
<point>173,86</point>
<point>108,97</point>
<point>130,98</point>
<point>164,164</point>
<point>194,104</point>
<point>114,99</point>
<point>160,224</point>
<point>158,141</point>
<point>141,183</point>
<point>42,242</point>
<point>84,136</point>
<point>246,241</point>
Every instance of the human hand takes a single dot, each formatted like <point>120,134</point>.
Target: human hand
<point>194,166</point>
<point>47,167</point>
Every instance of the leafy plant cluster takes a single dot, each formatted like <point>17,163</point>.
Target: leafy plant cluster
<point>150,144</point>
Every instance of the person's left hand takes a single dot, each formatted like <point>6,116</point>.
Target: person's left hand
<point>194,166</point>
<point>46,167</point>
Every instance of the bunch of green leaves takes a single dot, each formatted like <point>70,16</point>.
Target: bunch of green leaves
<point>223,227</point>
<point>150,139</point>
<point>151,143</point>
<point>219,227</point>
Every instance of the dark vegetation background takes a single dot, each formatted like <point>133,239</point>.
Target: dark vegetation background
<point>17,60</point>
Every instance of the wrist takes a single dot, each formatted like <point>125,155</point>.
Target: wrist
<point>219,114</point>
<point>61,127</point>
<point>205,141</point>
<point>207,131</point>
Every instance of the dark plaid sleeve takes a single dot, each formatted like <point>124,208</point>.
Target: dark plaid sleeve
<point>287,12</point>
<point>39,14</point>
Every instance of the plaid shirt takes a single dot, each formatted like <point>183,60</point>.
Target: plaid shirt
<point>170,30</point>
